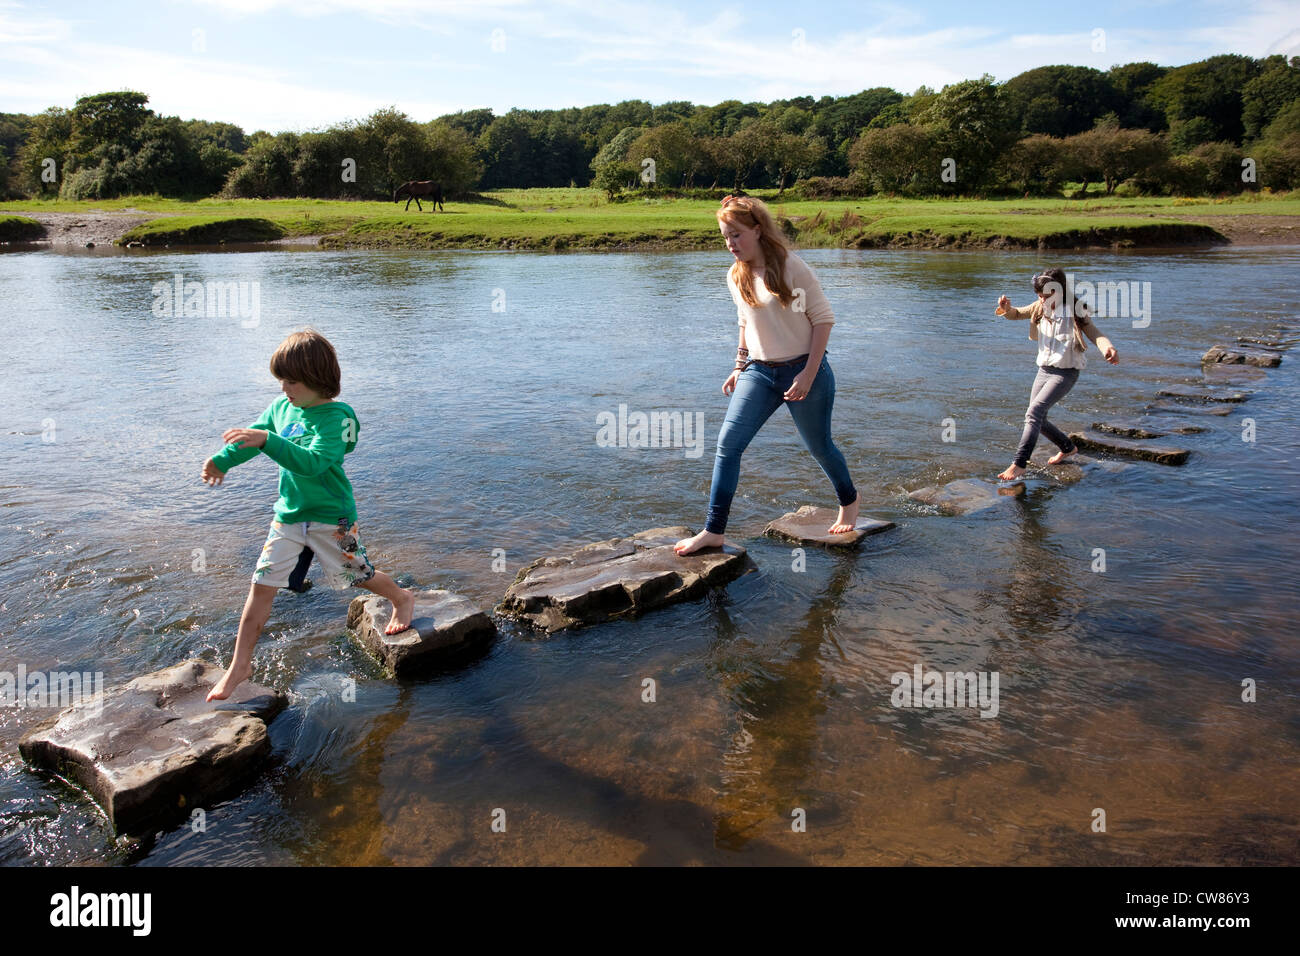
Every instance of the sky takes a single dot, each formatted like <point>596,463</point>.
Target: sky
<point>299,65</point>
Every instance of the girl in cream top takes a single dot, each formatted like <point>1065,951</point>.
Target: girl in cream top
<point>785,322</point>
<point>776,333</point>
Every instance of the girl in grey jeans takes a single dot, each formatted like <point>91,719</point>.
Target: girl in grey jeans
<point>1059,328</point>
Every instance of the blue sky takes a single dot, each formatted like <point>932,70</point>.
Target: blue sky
<point>294,64</point>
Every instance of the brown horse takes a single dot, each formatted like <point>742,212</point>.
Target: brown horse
<point>417,188</point>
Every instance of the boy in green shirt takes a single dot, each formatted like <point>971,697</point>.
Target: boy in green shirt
<point>307,434</point>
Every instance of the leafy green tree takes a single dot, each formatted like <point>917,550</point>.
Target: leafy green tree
<point>671,147</point>
<point>794,156</point>
<point>1268,94</point>
<point>267,171</point>
<point>1132,83</point>
<point>896,159</point>
<point>968,122</point>
<point>614,177</point>
<point>1114,155</point>
<point>1059,100</point>
<point>49,135</point>
<point>1034,164</point>
<point>1211,89</point>
<point>453,157</point>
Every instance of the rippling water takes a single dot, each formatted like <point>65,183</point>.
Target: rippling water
<point>1118,690</point>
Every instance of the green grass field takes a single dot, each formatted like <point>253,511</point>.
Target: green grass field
<point>583,218</point>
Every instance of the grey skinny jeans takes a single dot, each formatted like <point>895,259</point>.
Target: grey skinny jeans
<point>1051,384</point>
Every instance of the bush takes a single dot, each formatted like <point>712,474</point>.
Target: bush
<point>830,187</point>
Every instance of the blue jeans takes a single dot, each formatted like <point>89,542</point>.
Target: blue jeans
<point>1051,384</point>
<point>759,392</point>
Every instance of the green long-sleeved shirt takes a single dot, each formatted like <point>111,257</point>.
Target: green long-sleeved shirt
<point>308,444</point>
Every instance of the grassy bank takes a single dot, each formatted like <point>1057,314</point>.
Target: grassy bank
<point>19,229</point>
<point>583,219</point>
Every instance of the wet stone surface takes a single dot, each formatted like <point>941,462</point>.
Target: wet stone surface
<point>443,626</point>
<point>966,495</point>
<point>154,749</point>
<point>1147,450</point>
<point>1242,355</point>
<point>808,525</point>
<point>617,577</point>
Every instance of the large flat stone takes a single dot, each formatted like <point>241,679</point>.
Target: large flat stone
<point>966,495</point>
<point>1129,428</point>
<point>442,626</point>
<point>808,526</point>
<point>1241,355</point>
<point>157,749</point>
<point>1198,394</point>
<point>617,577</point>
<point>1146,450</point>
<point>1183,408</point>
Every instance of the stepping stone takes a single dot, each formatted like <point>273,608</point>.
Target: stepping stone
<point>1231,374</point>
<point>1146,450</point>
<point>1129,428</point>
<point>1242,356</point>
<point>808,526</point>
<point>155,749</point>
<point>1170,425</point>
<point>966,495</point>
<point>1186,409</point>
<point>1194,393</point>
<point>617,578</point>
<point>442,625</point>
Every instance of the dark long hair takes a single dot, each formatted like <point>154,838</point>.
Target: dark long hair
<point>1056,276</point>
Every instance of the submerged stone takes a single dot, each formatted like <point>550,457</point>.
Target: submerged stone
<point>1272,345</point>
<point>966,495</point>
<point>1195,393</point>
<point>1146,450</point>
<point>443,624</point>
<point>1231,374</point>
<point>617,578</point>
<point>1185,408</point>
<point>808,526</point>
<point>153,750</point>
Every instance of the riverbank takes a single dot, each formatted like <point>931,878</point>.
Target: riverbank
<point>560,219</point>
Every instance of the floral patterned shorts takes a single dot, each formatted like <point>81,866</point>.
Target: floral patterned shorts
<point>289,544</point>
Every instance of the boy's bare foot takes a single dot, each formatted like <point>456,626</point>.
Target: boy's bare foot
<point>705,539</point>
<point>231,679</point>
<point>847,520</point>
<point>1060,456</point>
<point>403,608</point>
<point>1012,473</point>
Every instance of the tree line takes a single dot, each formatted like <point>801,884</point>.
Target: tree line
<point>1220,125</point>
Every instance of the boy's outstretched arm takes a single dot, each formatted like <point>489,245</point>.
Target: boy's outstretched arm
<point>231,455</point>
<point>326,450</point>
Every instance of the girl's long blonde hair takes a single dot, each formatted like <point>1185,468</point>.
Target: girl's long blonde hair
<point>750,212</point>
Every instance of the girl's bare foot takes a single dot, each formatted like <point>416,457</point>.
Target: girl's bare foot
<point>705,539</point>
<point>1012,473</point>
<point>403,608</point>
<point>231,679</point>
<point>1060,456</point>
<point>847,520</point>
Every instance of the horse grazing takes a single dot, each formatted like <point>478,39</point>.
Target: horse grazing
<point>417,188</point>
